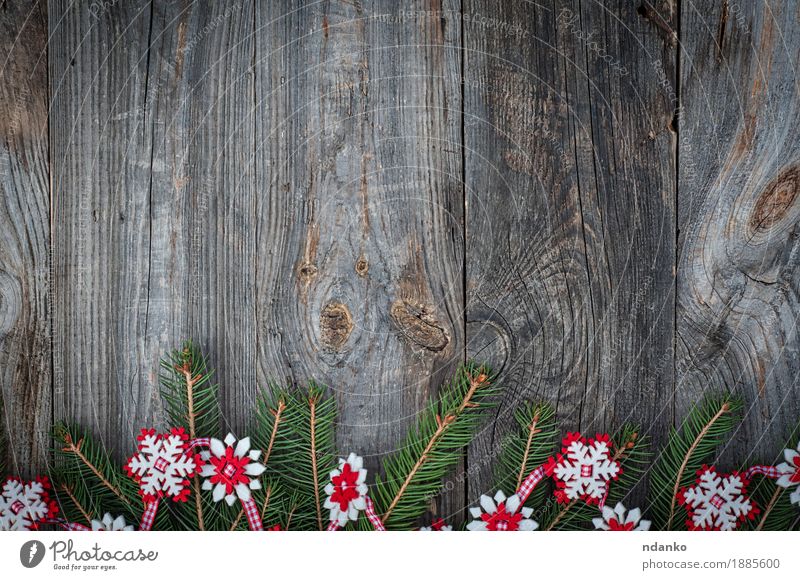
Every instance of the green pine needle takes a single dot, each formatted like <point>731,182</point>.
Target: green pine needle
<point>302,453</point>
<point>189,393</point>
<point>525,449</point>
<point>413,475</point>
<point>93,480</point>
<point>688,449</point>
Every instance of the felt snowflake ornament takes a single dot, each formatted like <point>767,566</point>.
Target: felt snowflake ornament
<point>437,526</point>
<point>717,501</point>
<point>111,524</point>
<point>24,505</point>
<point>789,473</point>
<point>583,469</point>
<point>347,490</point>
<point>621,520</point>
<point>231,469</point>
<point>163,465</point>
<point>501,514</point>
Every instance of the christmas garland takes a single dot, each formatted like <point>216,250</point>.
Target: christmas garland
<point>288,477</point>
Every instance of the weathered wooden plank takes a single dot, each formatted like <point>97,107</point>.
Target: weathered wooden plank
<point>25,378</point>
<point>101,152</point>
<point>361,239</point>
<point>570,174</point>
<point>215,169</point>
<point>153,204</point>
<point>738,275</point>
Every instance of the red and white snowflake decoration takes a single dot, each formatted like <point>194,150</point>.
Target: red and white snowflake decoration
<point>163,465</point>
<point>437,526</point>
<point>583,469</point>
<point>24,505</point>
<point>789,473</point>
<point>230,470</point>
<point>501,514</point>
<point>111,524</point>
<point>717,501</point>
<point>347,490</point>
<point>621,520</point>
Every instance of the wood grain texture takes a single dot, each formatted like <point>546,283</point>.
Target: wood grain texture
<point>101,141</point>
<point>361,233</point>
<point>600,199</point>
<point>738,276</point>
<point>571,213</point>
<point>25,381</point>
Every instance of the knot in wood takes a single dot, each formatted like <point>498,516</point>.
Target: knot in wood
<point>417,325</point>
<point>336,324</point>
<point>775,201</point>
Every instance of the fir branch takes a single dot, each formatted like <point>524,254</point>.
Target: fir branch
<point>71,447</point>
<point>295,428</point>
<point>191,402</point>
<point>694,444</point>
<point>526,448</point>
<point>413,475</point>
<point>312,405</point>
<point>68,492</point>
<point>95,483</point>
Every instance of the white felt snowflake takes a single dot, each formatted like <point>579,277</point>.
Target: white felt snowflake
<point>347,490</point>
<point>789,473</point>
<point>621,520</point>
<point>437,526</point>
<point>584,469</point>
<point>501,514</point>
<point>231,470</point>
<point>111,524</point>
<point>717,501</point>
<point>25,504</point>
<point>163,465</point>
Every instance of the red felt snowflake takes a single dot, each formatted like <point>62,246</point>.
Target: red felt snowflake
<point>717,501</point>
<point>583,469</point>
<point>25,505</point>
<point>163,465</point>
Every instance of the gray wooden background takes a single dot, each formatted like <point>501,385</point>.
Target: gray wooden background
<point>597,198</point>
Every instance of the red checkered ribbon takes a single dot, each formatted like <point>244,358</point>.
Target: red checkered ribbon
<point>149,516</point>
<point>200,442</point>
<point>373,517</point>
<point>769,471</point>
<point>68,526</point>
<point>251,511</point>
<point>530,483</point>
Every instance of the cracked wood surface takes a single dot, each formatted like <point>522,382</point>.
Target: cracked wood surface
<point>598,199</point>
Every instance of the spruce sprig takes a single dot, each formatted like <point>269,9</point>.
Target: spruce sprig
<point>413,475</point>
<point>777,512</point>
<point>89,483</point>
<point>525,449</point>
<point>295,430</point>
<point>191,400</point>
<point>688,448</point>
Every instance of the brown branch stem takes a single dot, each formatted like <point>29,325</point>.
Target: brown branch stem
<point>703,432</point>
<point>312,403</point>
<point>532,431</point>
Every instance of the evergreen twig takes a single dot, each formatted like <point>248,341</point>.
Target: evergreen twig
<point>413,475</point>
